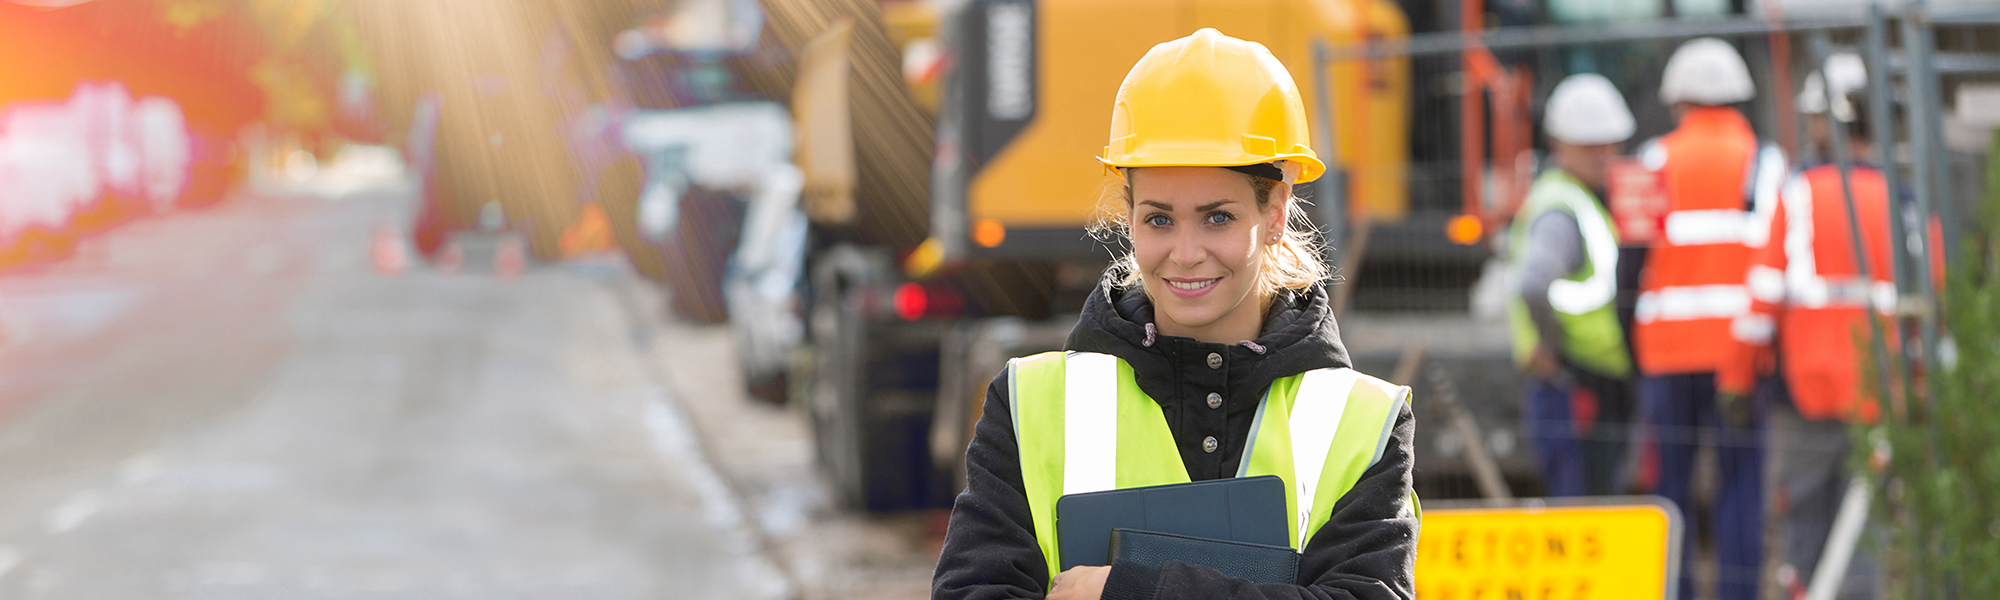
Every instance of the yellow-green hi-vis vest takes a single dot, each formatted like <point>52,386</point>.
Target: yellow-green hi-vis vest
<point>1084,426</point>
<point>1583,300</point>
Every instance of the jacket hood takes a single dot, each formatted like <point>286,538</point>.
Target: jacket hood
<point>1299,335</point>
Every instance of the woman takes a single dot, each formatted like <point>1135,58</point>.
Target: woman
<point>1213,345</point>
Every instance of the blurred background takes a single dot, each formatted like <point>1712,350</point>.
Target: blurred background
<point>699,298</point>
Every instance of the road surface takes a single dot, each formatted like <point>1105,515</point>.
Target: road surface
<point>237,402</point>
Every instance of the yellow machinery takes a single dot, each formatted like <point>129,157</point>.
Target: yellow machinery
<point>1019,95</point>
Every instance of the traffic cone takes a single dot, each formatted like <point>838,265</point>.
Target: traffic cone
<point>387,252</point>
<point>510,257</point>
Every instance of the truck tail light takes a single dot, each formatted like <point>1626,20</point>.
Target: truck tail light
<point>913,301</point>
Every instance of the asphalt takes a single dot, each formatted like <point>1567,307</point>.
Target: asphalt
<point>238,402</point>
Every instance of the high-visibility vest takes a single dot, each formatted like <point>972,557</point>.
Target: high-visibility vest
<point>1084,426</point>
<point>1807,292</point>
<point>1720,187</point>
<point>1585,300</point>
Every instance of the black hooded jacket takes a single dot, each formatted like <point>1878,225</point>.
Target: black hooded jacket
<point>1366,550</point>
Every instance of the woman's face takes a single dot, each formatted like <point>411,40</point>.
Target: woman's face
<point>1198,237</point>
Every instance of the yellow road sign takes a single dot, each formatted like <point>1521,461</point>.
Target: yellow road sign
<point>1568,549</point>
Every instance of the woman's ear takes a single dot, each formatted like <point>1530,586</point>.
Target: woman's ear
<point>1281,208</point>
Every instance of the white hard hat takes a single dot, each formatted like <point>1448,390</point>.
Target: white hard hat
<point>1706,71</point>
<point>1849,75</point>
<point>1586,110</point>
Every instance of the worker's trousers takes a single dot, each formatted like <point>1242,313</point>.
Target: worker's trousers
<point>1580,426</point>
<point>1809,459</point>
<point>1680,413</point>
<point>1547,418</point>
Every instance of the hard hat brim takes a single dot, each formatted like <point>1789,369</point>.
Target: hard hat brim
<point>1310,167</point>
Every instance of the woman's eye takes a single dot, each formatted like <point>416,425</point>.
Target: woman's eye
<point>1158,221</point>
<point>1219,218</point>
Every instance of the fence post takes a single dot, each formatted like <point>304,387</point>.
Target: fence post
<point>1923,145</point>
<point>1883,130</point>
<point>1843,162</point>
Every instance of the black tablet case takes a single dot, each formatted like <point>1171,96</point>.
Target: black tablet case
<point>1258,563</point>
<point>1241,509</point>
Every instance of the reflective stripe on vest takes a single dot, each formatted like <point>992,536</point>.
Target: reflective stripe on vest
<point>1600,243</point>
<point>1713,226</point>
<point>1316,412</point>
<point>1804,287</point>
<point>1091,428</point>
<point>1753,328</point>
<point>1767,175</point>
<point>1692,302</point>
<point>1083,425</point>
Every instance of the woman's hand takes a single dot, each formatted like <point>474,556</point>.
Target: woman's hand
<point>1080,583</point>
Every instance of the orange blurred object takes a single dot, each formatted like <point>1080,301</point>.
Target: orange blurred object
<point>1465,230</point>
<point>204,66</point>
<point>590,233</point>
<point>988,233</point>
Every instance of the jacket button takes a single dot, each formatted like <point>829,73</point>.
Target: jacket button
<point>1214,400</point>
<point>1208,444</point>
<point>1214,360</point>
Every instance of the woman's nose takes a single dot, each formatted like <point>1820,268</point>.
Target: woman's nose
<point>1187,250</point>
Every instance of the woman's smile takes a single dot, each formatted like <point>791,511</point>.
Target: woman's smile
<point>1190,288</point>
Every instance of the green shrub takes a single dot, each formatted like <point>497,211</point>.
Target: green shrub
<point>1942,490</point>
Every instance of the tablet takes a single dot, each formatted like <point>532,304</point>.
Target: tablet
<point>1240,509</point>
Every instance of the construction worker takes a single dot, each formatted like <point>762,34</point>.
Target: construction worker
<point>1849,76</point>
<point>1214,332</point>
<point>1719,181</point>
<point>1809,303</point>
<point>1564,252</point>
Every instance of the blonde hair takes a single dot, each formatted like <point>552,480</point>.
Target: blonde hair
<point>1294,263</point>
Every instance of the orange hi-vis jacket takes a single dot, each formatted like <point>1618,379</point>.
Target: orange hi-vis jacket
<point>1720,186</point>
<point>1808,297</point>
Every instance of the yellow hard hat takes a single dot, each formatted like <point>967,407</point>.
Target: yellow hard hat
<point>1210,100</point>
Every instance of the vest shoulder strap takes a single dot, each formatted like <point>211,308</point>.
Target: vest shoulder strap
<point>1035,397</point>
<point>1354,443</point>
<point>1395,396</point>
<point>1388,395</point>
<point>1033,372</point>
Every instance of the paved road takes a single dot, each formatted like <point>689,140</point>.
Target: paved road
<point>233,403</point>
